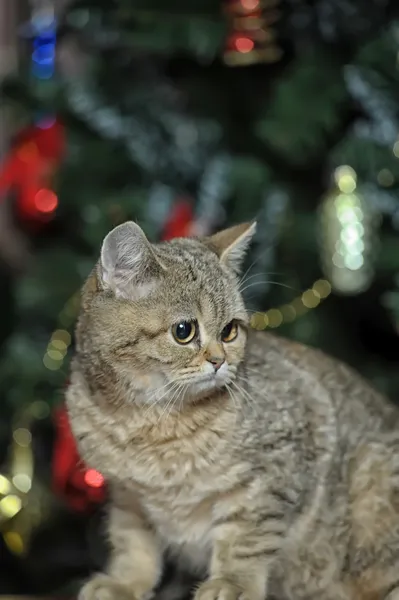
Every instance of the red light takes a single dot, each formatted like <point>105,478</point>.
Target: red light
<point>244,45</point>
<point>46,201</point>
<point>94,479</point>
<point>250,4</point>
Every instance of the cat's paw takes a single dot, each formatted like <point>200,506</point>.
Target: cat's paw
<point>221,589</point>
<point>102,587</point>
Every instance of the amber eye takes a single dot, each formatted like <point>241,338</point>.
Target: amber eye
<point>230,332</point>
<point>184,332</point>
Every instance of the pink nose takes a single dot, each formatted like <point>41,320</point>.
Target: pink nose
<point>216,361</point>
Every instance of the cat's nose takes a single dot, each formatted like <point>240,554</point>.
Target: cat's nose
<point>216,361</point>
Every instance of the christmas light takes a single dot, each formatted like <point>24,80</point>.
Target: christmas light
<point>22,437</point>
<point>287,313</point>
<point>94,479</point>
<point>348,225</point>
<point>46,201</point>
<point>10,506</point>
<point>244,44</point>
<point>14,542</point>
<point>5,485</point>
<point>43,55</point>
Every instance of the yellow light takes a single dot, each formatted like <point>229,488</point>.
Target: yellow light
<point>258,320</point>
<point>346,179</point>
<point>58,346</point>
<point>10,506</point>
<point>55,355</point>
<point>289,312</point>
<point>22,437</point>
<point>22,482</point>
<point>14,542</point>
<point>5,485</point>
<point>310,299</point>
<point>51,364</point>
<point>275,318</point>
<point>61,335</point>
<point>322,287</point>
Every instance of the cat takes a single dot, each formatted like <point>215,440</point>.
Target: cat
<point>263,467</point>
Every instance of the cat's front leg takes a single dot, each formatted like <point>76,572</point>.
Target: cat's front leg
<point>136,562</point>
<point>245,544</point>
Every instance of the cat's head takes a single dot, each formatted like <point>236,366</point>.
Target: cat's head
<point>168,319</point>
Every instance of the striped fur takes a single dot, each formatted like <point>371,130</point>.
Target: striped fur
<point>278,477</point>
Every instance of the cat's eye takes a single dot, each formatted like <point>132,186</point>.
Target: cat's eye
<point>230,332</point>
<point>184,331</point>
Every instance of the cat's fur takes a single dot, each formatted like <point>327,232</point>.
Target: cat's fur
<point>278,475</point>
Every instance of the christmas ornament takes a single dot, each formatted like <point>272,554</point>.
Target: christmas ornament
<point>348,235</point>
<point>81,487</point>
<point>30,167</point>
<point>251,39</point>
<point>180,222</point>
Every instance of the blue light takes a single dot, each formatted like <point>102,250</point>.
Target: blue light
<point>46,36</point>
<point>43,54</point>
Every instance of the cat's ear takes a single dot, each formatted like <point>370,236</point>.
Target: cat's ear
<point>231,244</point>
<point>128,265</point>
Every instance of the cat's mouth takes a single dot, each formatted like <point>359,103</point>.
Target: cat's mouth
<point>209,382</point>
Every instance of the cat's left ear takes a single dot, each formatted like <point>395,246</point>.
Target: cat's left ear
<point>232,244</point>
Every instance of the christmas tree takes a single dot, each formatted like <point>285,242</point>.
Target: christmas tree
<point>187,117</point>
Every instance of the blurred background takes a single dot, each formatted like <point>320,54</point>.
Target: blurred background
<point>187,117</point>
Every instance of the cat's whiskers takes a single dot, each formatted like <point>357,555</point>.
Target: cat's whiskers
<point>267,281</point>
<point>245,395</point>
<point>155,393</point>
<point>180,396</point>
<point>243,280</point>
<point>170,402</point>
<point>232,396</point>
<point>157,400</point>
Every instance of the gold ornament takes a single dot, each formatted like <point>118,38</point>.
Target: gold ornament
<point>348,235</point>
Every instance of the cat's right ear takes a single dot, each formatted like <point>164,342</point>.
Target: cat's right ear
<point>128,265</point>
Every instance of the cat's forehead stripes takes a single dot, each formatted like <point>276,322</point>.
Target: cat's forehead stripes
<point>203,283</point>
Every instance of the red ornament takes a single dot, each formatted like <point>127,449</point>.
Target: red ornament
<point>81,487</point>
<point>29,169</point>
<point>180,221</point>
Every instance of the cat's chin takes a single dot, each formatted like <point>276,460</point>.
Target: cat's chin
<point>203,389</point>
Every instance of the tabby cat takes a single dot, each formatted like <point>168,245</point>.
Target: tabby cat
<point>261,466</point>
